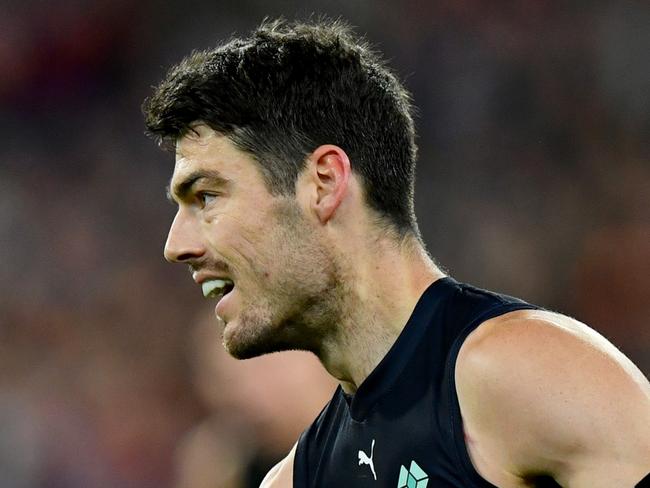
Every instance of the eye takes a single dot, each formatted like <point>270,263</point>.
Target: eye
<point>206,199</point>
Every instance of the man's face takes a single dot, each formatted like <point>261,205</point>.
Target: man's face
<point>287,291</point>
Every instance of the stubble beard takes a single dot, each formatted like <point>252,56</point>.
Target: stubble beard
<point>303,306</point>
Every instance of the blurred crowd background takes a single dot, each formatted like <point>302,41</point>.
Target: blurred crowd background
<point>534,180</point>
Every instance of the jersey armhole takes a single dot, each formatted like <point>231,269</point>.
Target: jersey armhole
<point>644,483</point>
<point>301,461</point>
<point>453,407</point>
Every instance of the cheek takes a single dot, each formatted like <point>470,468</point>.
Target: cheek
<point>243,244</point>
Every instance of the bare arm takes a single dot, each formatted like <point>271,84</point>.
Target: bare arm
<point>542,394</point>
<point>281,475</point>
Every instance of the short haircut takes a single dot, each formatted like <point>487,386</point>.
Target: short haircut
<point>289,88</point>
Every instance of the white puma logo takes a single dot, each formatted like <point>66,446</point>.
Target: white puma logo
<point>364,459</point>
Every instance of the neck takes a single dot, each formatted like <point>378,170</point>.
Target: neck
<point>384,282</point>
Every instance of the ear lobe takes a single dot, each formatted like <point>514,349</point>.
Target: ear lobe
<point>331,173</point>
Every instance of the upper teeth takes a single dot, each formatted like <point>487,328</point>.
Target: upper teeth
<point>213,288</point>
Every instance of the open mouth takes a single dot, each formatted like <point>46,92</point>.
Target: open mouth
<point>217,288</point>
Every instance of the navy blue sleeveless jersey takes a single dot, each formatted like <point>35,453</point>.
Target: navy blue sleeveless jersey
<point>402,428</point>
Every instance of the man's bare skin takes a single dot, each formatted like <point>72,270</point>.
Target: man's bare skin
<point>281,475</point>
<point>541,393</point>
<point>302,252</point>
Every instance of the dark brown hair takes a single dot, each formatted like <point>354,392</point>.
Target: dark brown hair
<point>289,88</point>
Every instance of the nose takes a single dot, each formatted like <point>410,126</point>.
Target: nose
<point>183,241</point>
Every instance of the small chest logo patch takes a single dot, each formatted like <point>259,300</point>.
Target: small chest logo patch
<point>414,477</point>
<point>365,459</point>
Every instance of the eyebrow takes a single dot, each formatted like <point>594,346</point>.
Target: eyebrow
<point>183,187</point>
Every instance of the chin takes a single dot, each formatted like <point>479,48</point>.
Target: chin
<point>250,339</point>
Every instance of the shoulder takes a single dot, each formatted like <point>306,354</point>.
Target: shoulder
<point>536,387</point>
<point>281,475</point>
<point>547,347</point>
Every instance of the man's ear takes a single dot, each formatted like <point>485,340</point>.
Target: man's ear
<point>329,173</point>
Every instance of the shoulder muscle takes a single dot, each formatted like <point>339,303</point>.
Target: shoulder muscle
<point>543,393</point>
